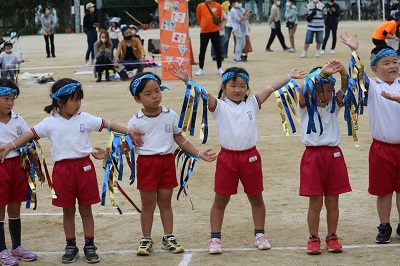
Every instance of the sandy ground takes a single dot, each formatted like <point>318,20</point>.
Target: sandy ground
<point>117,236</point>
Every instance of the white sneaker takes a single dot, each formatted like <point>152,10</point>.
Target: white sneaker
<point>303,54</point>
<point>317,53</point>
<point>322,51</point>
<point>214,246</point>
<point>291,50</point>
<point>332,51</point>
<point>261,242</point>
<point>199,72</point>
<point>220,71</point>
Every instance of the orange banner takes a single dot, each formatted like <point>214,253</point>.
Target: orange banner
<point>174,35</point>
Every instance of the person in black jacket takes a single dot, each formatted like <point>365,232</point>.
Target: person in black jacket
<point>90,23</point>
<point>331,24</point>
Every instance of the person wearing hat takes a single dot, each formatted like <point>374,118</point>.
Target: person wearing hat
<point>114,32</point>
<point>90,23</point>
<point>135,30</point>
<point>9,60</point>
<point>48,24</point>
<point>386,30</point>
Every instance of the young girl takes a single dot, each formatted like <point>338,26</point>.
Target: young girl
<point>13,189</point>
<point>102,51</point>
<point>114,31</point>
<point>68,130</point>
<point>235,116</point>
<point>156,174</point>
<point>323,172</point>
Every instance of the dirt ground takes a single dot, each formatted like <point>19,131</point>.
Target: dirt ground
<point>117,236</point>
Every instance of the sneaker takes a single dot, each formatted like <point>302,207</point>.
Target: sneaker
<point>286,49</point>
<point>90,254</point>
<point>291,50</point>
<point>314,246</point>
<point>7,258</point>
<point>332,242</point>
<point>332,51</point>
<point>269,50</point>
<point>220,71</point>
<point>70,255</point>
<point>385,231</point>
<point>398,231</point>
<point>322,52</point>
<point>238,61</point>
<point>22,253</point>
<point>214,246</point>
<point>199,72</point>
<point>261,242</point>
<point>303,54</point>
<point>146,246</point>
<point>169,242</point>
<point>317,53</point>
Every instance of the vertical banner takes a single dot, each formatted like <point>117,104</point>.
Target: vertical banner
<point>174,35</point>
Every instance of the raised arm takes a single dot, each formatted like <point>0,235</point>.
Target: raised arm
<point>350,41</point>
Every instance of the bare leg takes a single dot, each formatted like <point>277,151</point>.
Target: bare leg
<point>314,210</point>
<point>258,210</point>
<point>148,199</point>
<point>384,206</point>
<point>332,213</point>
<point>69,221</point>
<point>164,204</point>
<point>87,219</point>
<point>218,211</point>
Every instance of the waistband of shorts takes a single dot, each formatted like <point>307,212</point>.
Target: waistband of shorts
<point>320,147</point>
<point>155,155</point>
<point>385,143</point>
<point>74,160</point>
<point>240,151</point>
<point>12,159</point>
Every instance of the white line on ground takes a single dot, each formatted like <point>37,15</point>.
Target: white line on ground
<point>186,260</point>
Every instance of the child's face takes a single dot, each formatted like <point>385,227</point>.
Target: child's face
<point>8,48</point>
<point>6,104</point>
<point>324,95</point>
<point>70,108</point>
<point>151,96</point>
<point>235,90</point>
<point>387,68</point>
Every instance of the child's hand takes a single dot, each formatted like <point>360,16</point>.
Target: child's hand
<point>297,74</point>
<point>391,96</point>
<point>331,67</point>
<point>3,152</point>
<point>180,72</point>
<point>206,156</point>
<point>136,137</point>
<point>351,42</point>
<point>99,153</point>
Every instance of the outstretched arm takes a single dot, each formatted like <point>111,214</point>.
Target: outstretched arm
<point>185,145</point>
<point>135,135</point>
<point>278,83</point>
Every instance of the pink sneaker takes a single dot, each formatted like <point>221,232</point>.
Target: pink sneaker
<point>261,242</point>
<point>214,246</point>
<point>22,253</point>
<point>7,259</point>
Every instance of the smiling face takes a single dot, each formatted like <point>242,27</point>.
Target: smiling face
<point>387,68</point>
<point>324,94</point>
<point>150,97</point>
<point>235,90</point>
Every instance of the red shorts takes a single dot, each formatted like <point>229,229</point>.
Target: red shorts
<point>14,183</point>
<point>323,171</point>
<point>75,179</point>
<point>234,165</point>
<point>156,172</point>
<point>384,168</point>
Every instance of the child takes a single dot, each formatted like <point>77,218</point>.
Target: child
<point>68,130</point>
<point>156,174</point>
<point>235,116</point>
<point>323,172</point>
<point>114,31</point>
<point>13,189</point>
<point>384,154</point>
<point>102,52</point>
<point>9,60</point>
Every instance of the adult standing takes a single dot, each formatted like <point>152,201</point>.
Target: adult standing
<point>238,26</point>
<point>48,25</point>
<point>331,24</point>
<point>90,23</point>
<point>386,30</point>
<point>315,14</point>
<point>209,31</point>
<point>291,23</point>
<point>226,7</point>
<point>274,22</point>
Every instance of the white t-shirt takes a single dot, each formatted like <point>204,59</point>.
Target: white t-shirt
<point>384,114</point>
<point>10,131</point>
<point>158,132</point>
<point>69,138</point>
<point>236,123</point>
<point>331,132</point>
<point>9,59</point>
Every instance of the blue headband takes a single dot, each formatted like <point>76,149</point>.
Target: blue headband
<point>4,91</point>
<point>65,90</point>
<point>383,53</point>
<point>330,78</point>
<point>136,82</point>
<point>228,75</point>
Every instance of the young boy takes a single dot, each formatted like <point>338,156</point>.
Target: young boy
<point>323,171</point>
<point>9,59</point>
<point>384,154</point>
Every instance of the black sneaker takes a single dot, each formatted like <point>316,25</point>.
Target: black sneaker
<point>385,231</point>
<point>398,231</point>
<point>70,255</point>
<point>90,254</point>
<point>169,243</point>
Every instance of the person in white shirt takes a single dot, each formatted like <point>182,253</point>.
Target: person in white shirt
<point>114,31</point>
<point>9,60</point>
